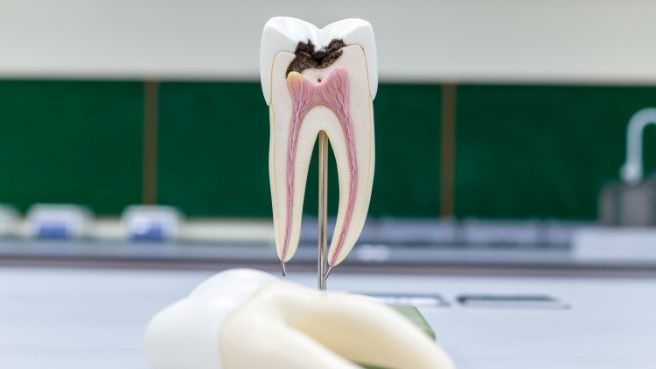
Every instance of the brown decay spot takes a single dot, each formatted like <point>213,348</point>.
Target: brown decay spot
<point>307,57</point>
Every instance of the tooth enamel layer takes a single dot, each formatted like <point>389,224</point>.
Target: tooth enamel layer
<point>335,100</point>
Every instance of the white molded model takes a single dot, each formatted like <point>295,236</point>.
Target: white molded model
<point>246,319</point>
<point>333,95</point>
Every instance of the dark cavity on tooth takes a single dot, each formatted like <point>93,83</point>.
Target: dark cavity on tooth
<point>307,57</point>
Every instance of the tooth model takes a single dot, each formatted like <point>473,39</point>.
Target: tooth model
<point>246,319</point>
<point>318,80</point>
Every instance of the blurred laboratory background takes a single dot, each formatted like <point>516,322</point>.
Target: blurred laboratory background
<point>512,138</point>
<point>498,125</point>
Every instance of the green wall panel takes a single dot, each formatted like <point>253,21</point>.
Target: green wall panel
<point>521,151</point>
<point>407,150</point>
<point>541,151</point>
<point>213,151</point>
<point>71,141</point>
<point>407,130</point>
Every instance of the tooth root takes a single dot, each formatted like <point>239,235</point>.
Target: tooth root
<point>354,151</point>
<point>336,99</point>
<point>352,142</point>
<point>291,146</point>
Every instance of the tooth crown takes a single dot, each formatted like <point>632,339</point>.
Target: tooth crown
<point>284,34</point>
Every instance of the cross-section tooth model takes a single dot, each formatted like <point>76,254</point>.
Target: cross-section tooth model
<point>319,81</point>
<point>245,319</point>
<point>316,82</point>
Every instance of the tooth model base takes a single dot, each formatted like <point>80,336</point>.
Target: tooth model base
<point>246,319</point>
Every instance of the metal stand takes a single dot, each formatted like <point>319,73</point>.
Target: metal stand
<point>322,226</point>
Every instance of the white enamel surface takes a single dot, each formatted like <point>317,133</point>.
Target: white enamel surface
<point>282,34</point>
<point>186,334</point>
<point>318,119</point>
<point>247,319</point>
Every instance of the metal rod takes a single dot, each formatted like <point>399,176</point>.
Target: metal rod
<point>322,225</point>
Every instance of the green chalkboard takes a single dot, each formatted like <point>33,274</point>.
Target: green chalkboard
<point>71,141</point>
<point>521,150</point>
<point>541,151</point>
<point>213,150</point>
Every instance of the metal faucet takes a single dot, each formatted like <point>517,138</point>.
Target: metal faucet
<point>631,171</point>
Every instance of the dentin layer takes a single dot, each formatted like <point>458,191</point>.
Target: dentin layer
<point>333,93</point>
<point>335,100</point>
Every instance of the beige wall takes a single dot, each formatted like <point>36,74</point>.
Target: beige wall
<point>442,40</point>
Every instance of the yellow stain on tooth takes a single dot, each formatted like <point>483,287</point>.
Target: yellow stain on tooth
<point>294,76</point>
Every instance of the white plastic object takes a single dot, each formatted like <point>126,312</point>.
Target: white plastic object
<point>244,318</point>
<point>8,221</point>
<point>59,221</point>
<point>152,223</point>
<point>631,171</point>
<point>615,244</point>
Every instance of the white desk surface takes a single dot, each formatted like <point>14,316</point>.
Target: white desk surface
<point>94,319</point>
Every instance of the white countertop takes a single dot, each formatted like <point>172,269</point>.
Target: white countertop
<point>94,319</point>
